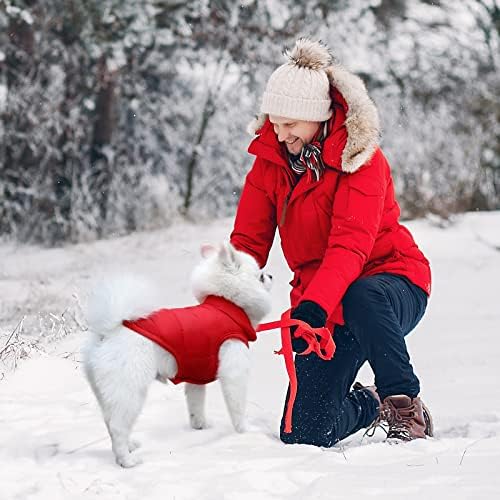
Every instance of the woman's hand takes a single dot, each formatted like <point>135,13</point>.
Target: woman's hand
<point>312,314</point>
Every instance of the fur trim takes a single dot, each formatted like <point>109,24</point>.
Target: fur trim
<point>362,121</point>
<point>309,54</point>
<point>257,122</point>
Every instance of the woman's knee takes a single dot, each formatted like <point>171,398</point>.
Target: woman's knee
<point>364,298</point>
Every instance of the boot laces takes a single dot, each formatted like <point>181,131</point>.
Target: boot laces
<point>381,422</point>
<point>400,420</point>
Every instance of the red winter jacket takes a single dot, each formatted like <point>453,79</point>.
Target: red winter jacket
<point>337,229</point>
<point>193,335</point>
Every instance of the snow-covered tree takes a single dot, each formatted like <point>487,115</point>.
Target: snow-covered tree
<point>119,115</point>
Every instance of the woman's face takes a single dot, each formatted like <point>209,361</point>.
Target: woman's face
<point>295,134</point>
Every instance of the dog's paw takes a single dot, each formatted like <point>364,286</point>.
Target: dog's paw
<point>197,422</point>
<point>240,426</point>
<point>127,461</point>
<point>133,445</point>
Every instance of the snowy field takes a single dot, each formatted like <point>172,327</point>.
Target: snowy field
<point>54,444</point>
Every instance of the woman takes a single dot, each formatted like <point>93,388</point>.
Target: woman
<point>320,177</point>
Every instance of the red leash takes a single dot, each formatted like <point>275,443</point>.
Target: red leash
<point>319,341</point>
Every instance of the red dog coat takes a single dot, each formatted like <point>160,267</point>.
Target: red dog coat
<point>193,335</point>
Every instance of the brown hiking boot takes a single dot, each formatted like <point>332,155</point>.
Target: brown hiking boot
<point>408,418</point>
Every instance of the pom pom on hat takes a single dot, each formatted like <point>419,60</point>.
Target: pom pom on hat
<point>309,54</point>
<point>300,88</point>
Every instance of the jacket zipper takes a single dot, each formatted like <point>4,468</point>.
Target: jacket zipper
<point>292,182</point>
<point>284,209</point>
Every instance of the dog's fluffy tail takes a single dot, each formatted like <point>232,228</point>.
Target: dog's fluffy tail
<point>120,297</point>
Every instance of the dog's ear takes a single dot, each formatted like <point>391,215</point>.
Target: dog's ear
<point>207,250</point>
<point>227,255</point>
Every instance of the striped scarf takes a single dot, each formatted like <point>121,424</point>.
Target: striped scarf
<point>309,160</point>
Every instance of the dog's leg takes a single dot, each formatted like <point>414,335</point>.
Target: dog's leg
<point>120,371</point>
<point>119,420</point>
<point>233,374</point>
<point>133,445</point>
<point>195,397</point>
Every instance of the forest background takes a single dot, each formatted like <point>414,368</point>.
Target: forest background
<point>125,115</point>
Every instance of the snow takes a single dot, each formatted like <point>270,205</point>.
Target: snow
<point>117,60</point>
<point>89,104</point>
<point>25,15</point>
<point>55,446</point>
<point>279,14</point>
<point>3,96</point>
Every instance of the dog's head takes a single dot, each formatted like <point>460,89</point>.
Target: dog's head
<point>234,275</point>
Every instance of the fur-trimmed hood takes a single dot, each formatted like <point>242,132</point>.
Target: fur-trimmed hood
<point>362,121</point>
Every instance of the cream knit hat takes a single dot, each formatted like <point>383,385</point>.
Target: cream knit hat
<point>300,88</point>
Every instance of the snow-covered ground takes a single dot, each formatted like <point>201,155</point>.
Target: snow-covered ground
<point>53,444</point>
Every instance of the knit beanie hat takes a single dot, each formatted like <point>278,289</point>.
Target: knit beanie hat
<point>300,88</point>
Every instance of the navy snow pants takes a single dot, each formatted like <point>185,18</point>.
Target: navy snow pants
<point>379,311</point>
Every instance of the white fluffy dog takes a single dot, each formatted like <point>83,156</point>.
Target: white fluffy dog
<point>120,364</point>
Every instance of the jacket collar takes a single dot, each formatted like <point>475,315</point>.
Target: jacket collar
<point>354,126</point>
<point>236,313</point>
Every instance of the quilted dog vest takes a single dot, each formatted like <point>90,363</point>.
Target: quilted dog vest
<point>193,335</point>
